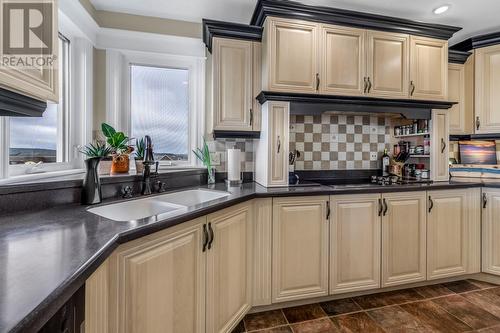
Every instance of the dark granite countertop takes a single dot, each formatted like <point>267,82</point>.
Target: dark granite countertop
<point>45,256</point>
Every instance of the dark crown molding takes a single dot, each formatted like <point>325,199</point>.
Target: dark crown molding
<point>213,29</point>
<point>292,9</point>
<point>458,57</point>
<point>315,104</point>
<point>13,104</point>
<point>477,42</point>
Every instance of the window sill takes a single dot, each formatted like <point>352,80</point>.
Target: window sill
<point>49,176</point>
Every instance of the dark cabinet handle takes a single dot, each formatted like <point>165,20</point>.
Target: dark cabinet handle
<point>366,84</point>
<point>386,207</point>
<point>205,237</point>
<point>251,117</point>
<point>380,207</point>
<point>211,232</point>
<point>328,210</point>
<point>443,146</point>
<point>317,81</point>
<point>485,200</point>
<point>431,204</point>
<point>478,123</point>
<point>412,88</point>
<point>279,144</point>
<point>369,85</point>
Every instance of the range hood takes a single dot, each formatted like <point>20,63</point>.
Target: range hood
<point>16,105</point>
<point>310,104</point>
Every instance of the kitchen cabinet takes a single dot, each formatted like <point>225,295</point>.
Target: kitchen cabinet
<point>262,232</point>
<point>300,248</point>
<point>229,267</point>
<point>354,243</point>
<point>290,55</point>
<point>388,58</point>
<point>428,68</point>
<point>403,238</point>
<point>157,283</point>
<point>440,145</point>
<point>343,64</point>
<point>487,99</point>
<point>452,222</point>
<point>491,231</point>
<point>461,90</point>
<point>273,147</point>
<point>36,81</point>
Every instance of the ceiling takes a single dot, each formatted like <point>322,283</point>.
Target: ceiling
<point>475,16</point>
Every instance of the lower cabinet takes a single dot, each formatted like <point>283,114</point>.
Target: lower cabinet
<point>491,231</point>
<point>229,268</point>
<point>451,229</point>
<point>354,243</point>
<point>300,248</point>
<point>403,238</point>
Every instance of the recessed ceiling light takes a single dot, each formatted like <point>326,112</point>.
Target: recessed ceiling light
<point>441,9</point>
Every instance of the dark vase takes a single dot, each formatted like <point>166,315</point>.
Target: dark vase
<point>91,191</point>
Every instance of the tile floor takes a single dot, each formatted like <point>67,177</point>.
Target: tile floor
<point>462,306</point>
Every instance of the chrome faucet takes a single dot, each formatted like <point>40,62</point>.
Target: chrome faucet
<point>148,161</point>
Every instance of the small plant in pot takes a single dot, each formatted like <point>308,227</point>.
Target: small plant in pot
<point>91,190</point>
<point>121,151</point>
<point>204,156</point>
<point>140,149</point>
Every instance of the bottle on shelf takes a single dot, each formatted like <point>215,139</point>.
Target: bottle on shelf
<point>385,163</point>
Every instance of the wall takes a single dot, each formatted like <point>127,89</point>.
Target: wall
<point>339,142</point>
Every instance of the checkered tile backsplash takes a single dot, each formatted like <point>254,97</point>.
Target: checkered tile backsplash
<point>247,152</point>
<point>339,142</point>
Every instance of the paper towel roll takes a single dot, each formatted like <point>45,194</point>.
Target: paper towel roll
<point>233,164</point>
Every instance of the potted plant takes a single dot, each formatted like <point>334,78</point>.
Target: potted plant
<point>120,149</point>
<point>204,156</point>
<point>140,149</point>
<point>91,190</point>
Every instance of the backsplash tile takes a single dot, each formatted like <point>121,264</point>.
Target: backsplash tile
<point>247,152</point>
<point>338,142</point>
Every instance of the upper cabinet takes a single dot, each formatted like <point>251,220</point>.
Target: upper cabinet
<point>461,91</point>
<point>487,87</point>
<point>233,82</point>
<point>308,57</point>
<point>290,50</point>
<point>428,68</point>
<point>40,79</point>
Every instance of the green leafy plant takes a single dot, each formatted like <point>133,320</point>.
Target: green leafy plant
<point>96,149</point>
<point>140,149</point>
<point>204,155</point>
<point>117,140</point>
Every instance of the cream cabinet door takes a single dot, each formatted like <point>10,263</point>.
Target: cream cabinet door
<point>440,150</point>
<point>300,248</point>
<point>456,93</point>
<point>291,55</point>
<point>388,64</point>
<point>403,238</point>
<point>255,116</point>
<point>342,60</point>
<point>487,88</point>
<point>428,68</point>
<point>36,81</point>
<point>447,223</point>
<point>158,283</point>
<point>491,231</point>
<point>232,84</point>
<point>354,243</point>
<point>229,267</point>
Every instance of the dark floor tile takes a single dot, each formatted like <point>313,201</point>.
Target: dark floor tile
<point>482,284</point>
<point>281,329</point>
<point>324,325</point>
<point>303,313</point>
<point>394,319</point>
<point>240,328</point>
<point>471,314</point>
<point>340,306</point>
<point>356,322</point>
<point>433,291</point>
<point>435,316</point>
<point>486,299</point>
<point>262,320</point>
<point>460,286</point>
<point>387,298</point>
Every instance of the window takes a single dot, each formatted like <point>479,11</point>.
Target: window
<point>159,98</point>
<point>44,139</point>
